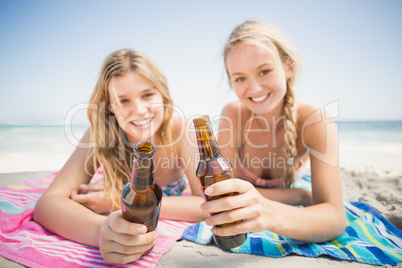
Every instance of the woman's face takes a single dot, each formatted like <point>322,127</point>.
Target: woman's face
<point>137,106</point>
<point>258,77</point>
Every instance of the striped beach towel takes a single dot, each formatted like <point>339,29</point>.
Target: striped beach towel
<point>368,238</point>
<point>24,241</point>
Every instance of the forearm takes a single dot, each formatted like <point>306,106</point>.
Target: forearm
<point>184,208</point>
<point>317,223</point>
<point>68,219</point>
<point>292,196</point>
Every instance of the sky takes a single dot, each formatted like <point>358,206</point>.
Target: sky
<point>51,52</point>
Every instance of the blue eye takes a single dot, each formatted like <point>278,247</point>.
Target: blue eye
<point>122,101</point>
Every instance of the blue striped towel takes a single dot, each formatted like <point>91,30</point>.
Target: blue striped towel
<point>368,238</point>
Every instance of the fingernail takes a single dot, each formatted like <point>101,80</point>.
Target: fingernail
<point>209,191</point>
<point>155,236</point>
<point>83,186</point>
<point>142,229</point>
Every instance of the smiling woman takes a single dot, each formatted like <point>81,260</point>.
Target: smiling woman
<point>138,106</point>
<point>132,104</point>
<point>258,77</point>
<point>274,135</point>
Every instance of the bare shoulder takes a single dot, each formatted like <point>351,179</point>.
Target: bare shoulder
<point>305,110</point>
<point>182,131</point>
<point>234,114</point>
<point>231,109</point>
<point>177,126</point>
<point>234,109</point>
<point>314,123</point>
<point>309,115</point>
<point>86,138</point>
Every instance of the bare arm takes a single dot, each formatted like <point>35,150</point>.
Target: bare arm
<point>59,214</point>
<point>182,208</point>
<point>289,196</point>
<point>119,241</point>
<point>322,221</point>
<point>317,223</point>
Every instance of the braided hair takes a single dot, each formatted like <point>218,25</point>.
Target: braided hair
<point>267,36</point>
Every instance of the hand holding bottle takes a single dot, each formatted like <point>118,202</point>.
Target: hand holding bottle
<point>121,241</point>
<point>213,168</point>
<point>249,208</point>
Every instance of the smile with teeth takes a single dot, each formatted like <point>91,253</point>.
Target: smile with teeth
<point>262,98</point>
<point>142,122</point>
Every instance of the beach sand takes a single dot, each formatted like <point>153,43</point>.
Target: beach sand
<point>381,188</point>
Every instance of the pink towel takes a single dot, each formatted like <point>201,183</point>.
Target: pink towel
<point>25,241</point>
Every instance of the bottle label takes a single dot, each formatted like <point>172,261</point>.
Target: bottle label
<point>223,163</point>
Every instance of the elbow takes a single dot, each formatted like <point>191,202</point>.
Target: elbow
<point>335,228</point>
<point>339,225</point>
<point>36,212</point>
<point>339,222</point>
<point>331,228</point>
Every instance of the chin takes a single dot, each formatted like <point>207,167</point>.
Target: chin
<point>260,110</point>
<point>134,137</point>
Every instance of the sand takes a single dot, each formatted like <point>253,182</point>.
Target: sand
<point>381,188</point>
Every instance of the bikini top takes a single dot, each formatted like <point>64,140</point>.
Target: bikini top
<point>176,187</point>
<point>244,173</point>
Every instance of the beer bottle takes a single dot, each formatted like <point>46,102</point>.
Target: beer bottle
<point>213,167</point>
<point>141,198</point>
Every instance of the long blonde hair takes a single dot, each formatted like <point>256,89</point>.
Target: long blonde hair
<point>265,35</point>
<point>112,150</point>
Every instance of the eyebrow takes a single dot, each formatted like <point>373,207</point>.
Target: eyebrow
<point>142,92</point>
<point>259,67</point>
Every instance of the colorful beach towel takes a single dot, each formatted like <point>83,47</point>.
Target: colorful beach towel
<point>368,238</point>
<point>25,241</point>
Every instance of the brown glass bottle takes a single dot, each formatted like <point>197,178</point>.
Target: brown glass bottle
<point>141,198</point>
<point>212,168</point>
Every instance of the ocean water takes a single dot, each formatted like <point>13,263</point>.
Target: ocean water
<point>371,136</point>
<point>47,147</point>
<point>23,138</point>
<point>37,147</point>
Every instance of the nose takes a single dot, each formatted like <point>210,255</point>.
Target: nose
<point>254,85</point>
<point>138,108</point>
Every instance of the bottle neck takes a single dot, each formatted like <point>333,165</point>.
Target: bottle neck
<point>207,144</point>
<point>143,175</point>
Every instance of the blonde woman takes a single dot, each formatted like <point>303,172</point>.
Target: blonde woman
<point>268,136</point>
<point>130,103</point>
